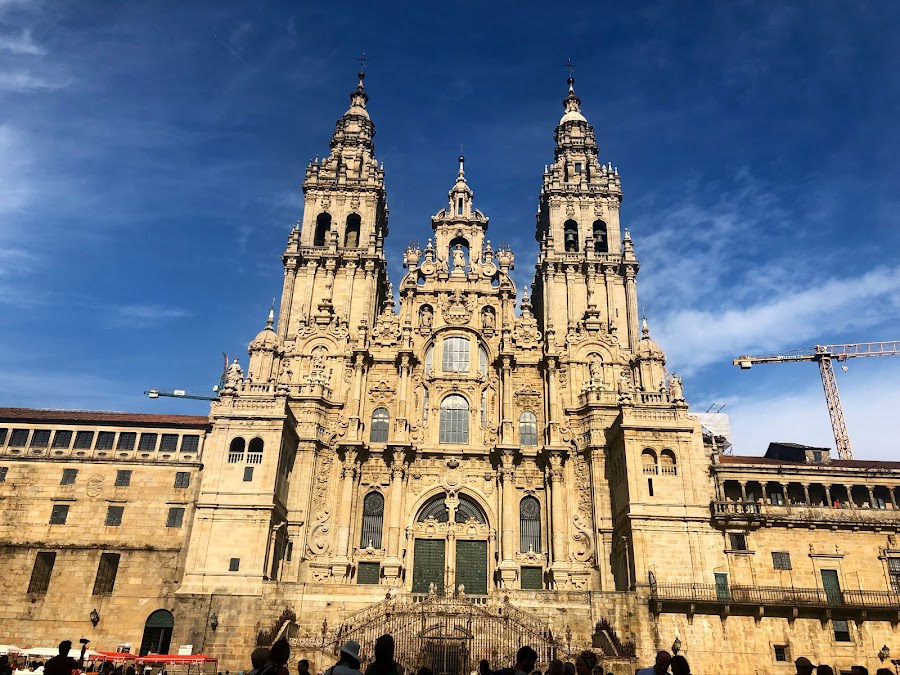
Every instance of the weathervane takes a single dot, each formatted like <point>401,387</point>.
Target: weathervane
<point>570,67</point>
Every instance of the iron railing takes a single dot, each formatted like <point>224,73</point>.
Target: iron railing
<point>774,595</point>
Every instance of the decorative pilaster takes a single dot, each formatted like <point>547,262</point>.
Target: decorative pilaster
<point>392,566</point>
<point>558,521</point>
<point>507,475</point>
<point>349,473</point>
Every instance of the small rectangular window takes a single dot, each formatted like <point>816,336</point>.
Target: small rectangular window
<point>68,476</point>
<point>737,542</point>
<point>123,477</point>
<point>532,578</point>
<point>41,572</point>
<point>106,574</point>
<point>175,517</point>
<point>781,560</point>
<point>59,514</point>
<point>147,442</point>
<point>190,443</point>
<point>84,440</point>
<point>781,653</point>
<point>168,443</point>
<point>3,432</point>
<point>182,479</point>
<point>40,438</point>
<point>3,471</point>
<point>368,573</point>
<point>105,440</point>
<point>18,438</point>
<point>234,564</point>
<point>459,206</point>
<point>893,571</point>
<point>114,516</point>
<point>62,439</point>
<point>841,630</point>
<point>578,167</point>
<point>248,474</point>
<point>650,486</point>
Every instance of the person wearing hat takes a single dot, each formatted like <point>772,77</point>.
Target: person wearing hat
<point>804,666</point>
<point>348,663</point>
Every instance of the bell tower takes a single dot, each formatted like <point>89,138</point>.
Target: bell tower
<point>586,268</point>
<point>334,264</point>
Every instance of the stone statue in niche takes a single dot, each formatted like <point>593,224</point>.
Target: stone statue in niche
<point>488,318</point>
<point>677,388</point>
<point>595,368</point>
<point>426,317</point>
<point>459,260</point>
<point>235,375</point>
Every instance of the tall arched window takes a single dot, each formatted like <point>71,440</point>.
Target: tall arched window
<point>323,224</point>
<point>351,235</point>
<point>454,419</point>
<point>455,355</point>
<point>236,450</point>
<point>254,451</point>
<point>601,244</point>
<point>373,518</point>
<point>483,360</point>
<point>648,461</point>
<point>381,420</point>
<point>530,525</point>
<point>528,428</point>
<point>429,360</point>
<point>570,235</point>
<point>667,463</point>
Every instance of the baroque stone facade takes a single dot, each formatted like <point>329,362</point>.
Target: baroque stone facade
<point>519,446</point>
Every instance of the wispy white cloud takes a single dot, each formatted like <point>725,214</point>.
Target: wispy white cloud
<point>23,82</point>
<point>21,44</point>
<point>141,316</point>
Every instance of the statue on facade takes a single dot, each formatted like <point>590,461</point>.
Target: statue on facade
<point>677,388</point>
<point>235,375</point>
<point>488,320</point>
<point>459,259</point>
<point>426,317</point>
<point>595,367</point>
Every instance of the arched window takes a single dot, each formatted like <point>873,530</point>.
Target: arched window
<point>323,225</point>
<point>530,525</point>
<point>648,461</point>
<point>483,360</point>
<point>157,633</point>
<point>466,510</point>
<point>381,420</point>
<point>601,244</point>
<point>454,419</point>
<point>528,428</point>
<point>570,235</point>
<point>236,450</point>
<point>455,355</point>
<point>351,235</point>
<point>429,360</point>
<point>373,518</point>
<point>254,451</point>
<point>434,508</point>
<point>667,464</point>
<point>469,510</point>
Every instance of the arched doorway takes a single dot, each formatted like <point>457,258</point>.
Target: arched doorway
<point>157,633</point>
<point>451,546</point>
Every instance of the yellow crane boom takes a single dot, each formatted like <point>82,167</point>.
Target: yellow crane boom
<point>824,355</point>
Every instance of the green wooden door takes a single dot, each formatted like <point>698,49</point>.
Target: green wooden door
<point>832,587</point>
<point>428,565</point>
<point>723,593</point>
<point>471,566</point>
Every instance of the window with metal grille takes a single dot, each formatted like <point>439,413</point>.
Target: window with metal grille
<point>3,471</point>
<point>175,517</point>
<point>529,525</point>
<point>454,419</point>
<point>248,474</point>
<point>41,572</point>
<point>381,420</point>
<point>894,572</point>
<point>368,573</point>
<point>455,355</point>
<point>106,574</point>
<point>190,443</point>
<point>84,440</point>
<point>18,438</point>
<point>182,479</point>
<point>147,442</point>
<point>62,439</point>
<point>468,510</point>
<point>114,516</point>
<point>528,428</point>
<point>40,438</point>
<point>841,630</point>
<point>168,443</point>
<point>68,477</point>
<point>373,518</point>
<point>105,440</point>
<point>234,564</point>
<point>59,514</point>
<point>737,542</point>
<point>127,439</point>
<point>123,477</point>
<point>531,578</point>
<point>781,653</point>
<point>781,560</point>
<point>3,433</point>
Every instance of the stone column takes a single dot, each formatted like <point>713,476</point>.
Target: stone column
<point>871,497</point>
<point>351,277</point>
<point>828,496</point>
<point>784,494</point>
<point>355,402</point>
<point>553,402</point>
<point>743,485</point>
<point>806,493</point>
<point>507,432</point>
<point>893,498</point>
<point>631,307</point>
<point>507,472</point>
<point>393,564</point>
<point>287,296</point>
<point>609,277</point>
<point>312,269</point>
<point>402,412</point>
<point>570,289</point>
<point>849,489</point>
<point>349,472</point>
<point>558,523</point>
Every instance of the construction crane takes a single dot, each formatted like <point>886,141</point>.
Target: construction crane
<point>181,393</point>
<point>824,355</point>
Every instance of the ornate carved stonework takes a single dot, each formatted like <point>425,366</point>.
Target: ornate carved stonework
<point>457,308</point>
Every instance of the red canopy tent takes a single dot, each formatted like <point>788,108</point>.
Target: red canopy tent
<point>176,659</point>
<point>115,657</point>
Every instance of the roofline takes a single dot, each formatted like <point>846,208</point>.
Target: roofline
<point>94,417</point>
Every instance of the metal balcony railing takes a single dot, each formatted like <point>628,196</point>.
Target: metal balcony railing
<point>736,508</point>
<point>774,595</point>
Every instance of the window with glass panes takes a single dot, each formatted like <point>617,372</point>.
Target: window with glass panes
<point>3,433</point>
<point>455,355</point>
<point>737,542</point>
<point>59,514</point>
<point>106,574</point>
<point>429,360</point>
<point>105,440</point>
<point>168,443</point>
<point>182,479</point>
<point>18,438</point>
<point>530,525</point>
<point>894,571</point>
<point>528,428</point>
<point>483,360</point>
<point>190,443</point>
<point>40,438</point>
<point>454,419</point>
<point>84,440</point>
<point>114,516</point>
<point>147,442</point>
<point>841,630</point>
<point>381,420</point>
<point>175,517</point>
<point>62,439</point>
<point>123,477</point>
<point>68,477</point>
<point>781,560</point>
<point>41,572</point>
<point>127,439</point>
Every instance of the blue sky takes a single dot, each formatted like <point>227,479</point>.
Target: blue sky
<point>151,156</point>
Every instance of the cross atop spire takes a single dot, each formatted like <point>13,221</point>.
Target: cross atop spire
<point>363,60</point>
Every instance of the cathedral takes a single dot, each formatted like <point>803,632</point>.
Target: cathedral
<point>466,464</point>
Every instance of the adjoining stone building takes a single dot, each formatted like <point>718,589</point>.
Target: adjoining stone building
<point>519,452</point>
